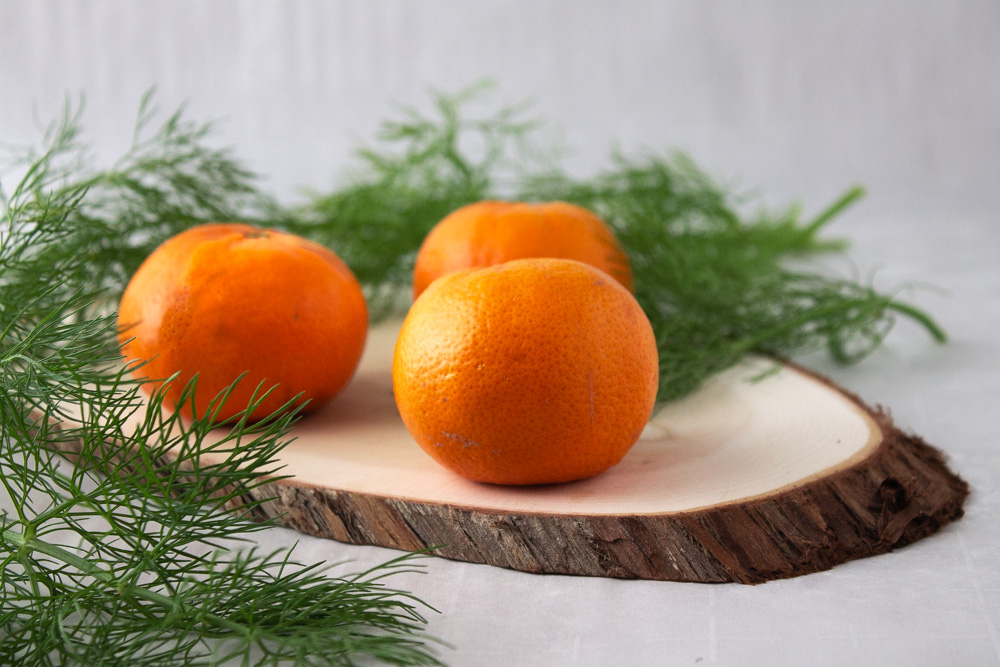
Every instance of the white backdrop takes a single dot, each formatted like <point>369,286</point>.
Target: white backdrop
<point>802,99</point>
<point>799,100</point>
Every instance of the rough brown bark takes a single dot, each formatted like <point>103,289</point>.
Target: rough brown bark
<point>901,493</point>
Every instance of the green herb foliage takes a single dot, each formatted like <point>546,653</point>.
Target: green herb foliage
<point>716,284</point>
<point>121,558</point>
<point>420,172</point>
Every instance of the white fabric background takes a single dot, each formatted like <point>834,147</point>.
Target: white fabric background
<point>799,100</point>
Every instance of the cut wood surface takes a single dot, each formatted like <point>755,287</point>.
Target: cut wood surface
<point>764,473</point>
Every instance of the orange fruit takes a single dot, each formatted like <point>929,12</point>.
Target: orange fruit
<point>221,300</point>
<point>530,372</point>
<point>492,232</point>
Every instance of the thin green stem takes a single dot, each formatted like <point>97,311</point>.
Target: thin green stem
<point>757,339</point>
<point>122,588</point>
<point>835,209</point>
<point>921,317</point>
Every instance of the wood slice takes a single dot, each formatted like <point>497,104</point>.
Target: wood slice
<point>762,474</point>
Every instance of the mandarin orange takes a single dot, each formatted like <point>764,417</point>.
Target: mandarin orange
<point>529,372</point>
<point>221,300</point>
<point>492,232</point>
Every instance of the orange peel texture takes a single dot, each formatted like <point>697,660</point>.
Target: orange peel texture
<point>529,372</point>
<point>221,300</point>
<point>493,232</point>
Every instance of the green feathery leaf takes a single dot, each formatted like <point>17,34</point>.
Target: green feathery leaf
<point>130,554</point>
<point>715,283</point>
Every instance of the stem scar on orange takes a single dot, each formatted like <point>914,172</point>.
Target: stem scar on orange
<point>492,232</point>
<point>221,300</point>
<point>530,372</point>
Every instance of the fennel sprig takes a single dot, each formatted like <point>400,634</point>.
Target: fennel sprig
<point>716,282</point>
<point>130,556</point>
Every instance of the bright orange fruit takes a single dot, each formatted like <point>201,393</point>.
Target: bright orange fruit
<point>221,300</point>
<point>492,232</point>
<point>529,372</point>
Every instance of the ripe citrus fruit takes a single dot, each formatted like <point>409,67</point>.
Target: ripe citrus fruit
<point>221,300</point>
<point>492,232</point>
<point>530,372</point>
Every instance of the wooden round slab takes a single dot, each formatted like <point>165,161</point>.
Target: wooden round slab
<point>764,473</point>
